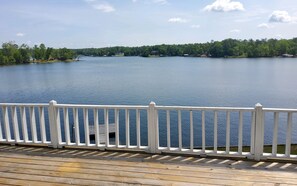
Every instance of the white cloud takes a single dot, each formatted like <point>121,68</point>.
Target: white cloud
<point>177,20</point>
<point>104,7</point>
<point>20,34</point>
<point>134,1</point>
<point>224,6</point>
<point>264,25</point>
<point>235,31</point>
<point>101,5</point>
<point>281,17</point>
<point>195,26</point>
<point>160,1</point>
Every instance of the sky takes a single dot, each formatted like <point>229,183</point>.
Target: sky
<point>106,23</point>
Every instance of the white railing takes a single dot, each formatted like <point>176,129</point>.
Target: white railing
<point>153,129</point>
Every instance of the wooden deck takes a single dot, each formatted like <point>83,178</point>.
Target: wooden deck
<point>25,165</point>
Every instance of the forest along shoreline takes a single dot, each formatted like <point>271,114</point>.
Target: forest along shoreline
<point>11,53</point>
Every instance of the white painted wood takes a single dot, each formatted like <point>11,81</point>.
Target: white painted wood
<point>235,109</point>
<point>42,124</point>
<point>6,123</point>
<point>58,125</point>
<point>53,124</point>
<point>138,127</point>
<point>152,128</point>
<point>33,124</point>
<point>15,124</point>
<point>66,126</point>
<point>289,135</point>
<point>228,132</point>
<point>156,128</point>
<point>106,122</point>
<point>215,132</point>
<point>1,135</point>
<point>127,116</point>
<point>191,131</point>
<point>257,127</point>
<point>76,126</point>
<point>24,124</point>
<point>203,130</point>
<point>117,129</point>
<point>240,127</point>
<point>275,134</point>
<point>180,140</point>
<point>259,132</point>
<point>96,124</point>
<point>253,122</point>
<point>86,126</point>
<point>168,128</point>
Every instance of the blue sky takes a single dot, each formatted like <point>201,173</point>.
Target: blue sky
<point>101,23</point>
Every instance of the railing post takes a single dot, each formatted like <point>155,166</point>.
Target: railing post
<point>53,124</point>
<point>152,129</point>
<point>259,132</point>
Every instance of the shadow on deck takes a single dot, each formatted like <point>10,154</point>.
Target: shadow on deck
<point>41,165</point>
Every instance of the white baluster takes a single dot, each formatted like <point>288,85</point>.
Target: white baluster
<point>138,127</point>
<point>76,126</point>
<point>6,123</point>
<point>240,132</point>
<point>215,132</point>
<point>203,130</point>
<point>228,133</point>
<point>180,141</point>
<point>106,121</point>
<point>289,135</point>
<point>33,124</point>
<point>24,124</point>
<point>96,124</point>
<point>253,123</point>
<point>191,131</point>
<point>168,129</point>
<point>42,124</point>
<point>86,125</point>
<point>275,132</point>
<point>66,126</point>
<point>117,134</point>
<point>15,124</point>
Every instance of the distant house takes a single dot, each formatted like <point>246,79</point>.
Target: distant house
<point>287,55</point>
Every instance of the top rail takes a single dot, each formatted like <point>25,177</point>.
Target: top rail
<point>101,106</point>
<point>279,110</point>
<point>205,108</point>
<point>25,104</point>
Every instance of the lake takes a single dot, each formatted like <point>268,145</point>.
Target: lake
<point>166,81</point>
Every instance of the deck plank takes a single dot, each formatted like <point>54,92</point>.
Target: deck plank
<point>139,171</point>
<point>38,165</point>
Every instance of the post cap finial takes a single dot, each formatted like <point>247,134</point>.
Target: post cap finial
<point>152,103</point>
<point>53,102</point>
<point>258,105</point>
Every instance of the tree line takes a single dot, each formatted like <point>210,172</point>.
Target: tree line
<point>225,48</point>
<point>11,53</point>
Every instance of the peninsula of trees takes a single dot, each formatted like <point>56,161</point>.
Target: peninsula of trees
<point>11,53</point>
<point>226,48</point>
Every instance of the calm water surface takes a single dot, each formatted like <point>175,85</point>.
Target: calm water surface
<point>166,81</point>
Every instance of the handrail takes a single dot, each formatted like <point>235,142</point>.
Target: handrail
<point>151,128</point>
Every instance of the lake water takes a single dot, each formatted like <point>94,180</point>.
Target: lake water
<point>166,81</point>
